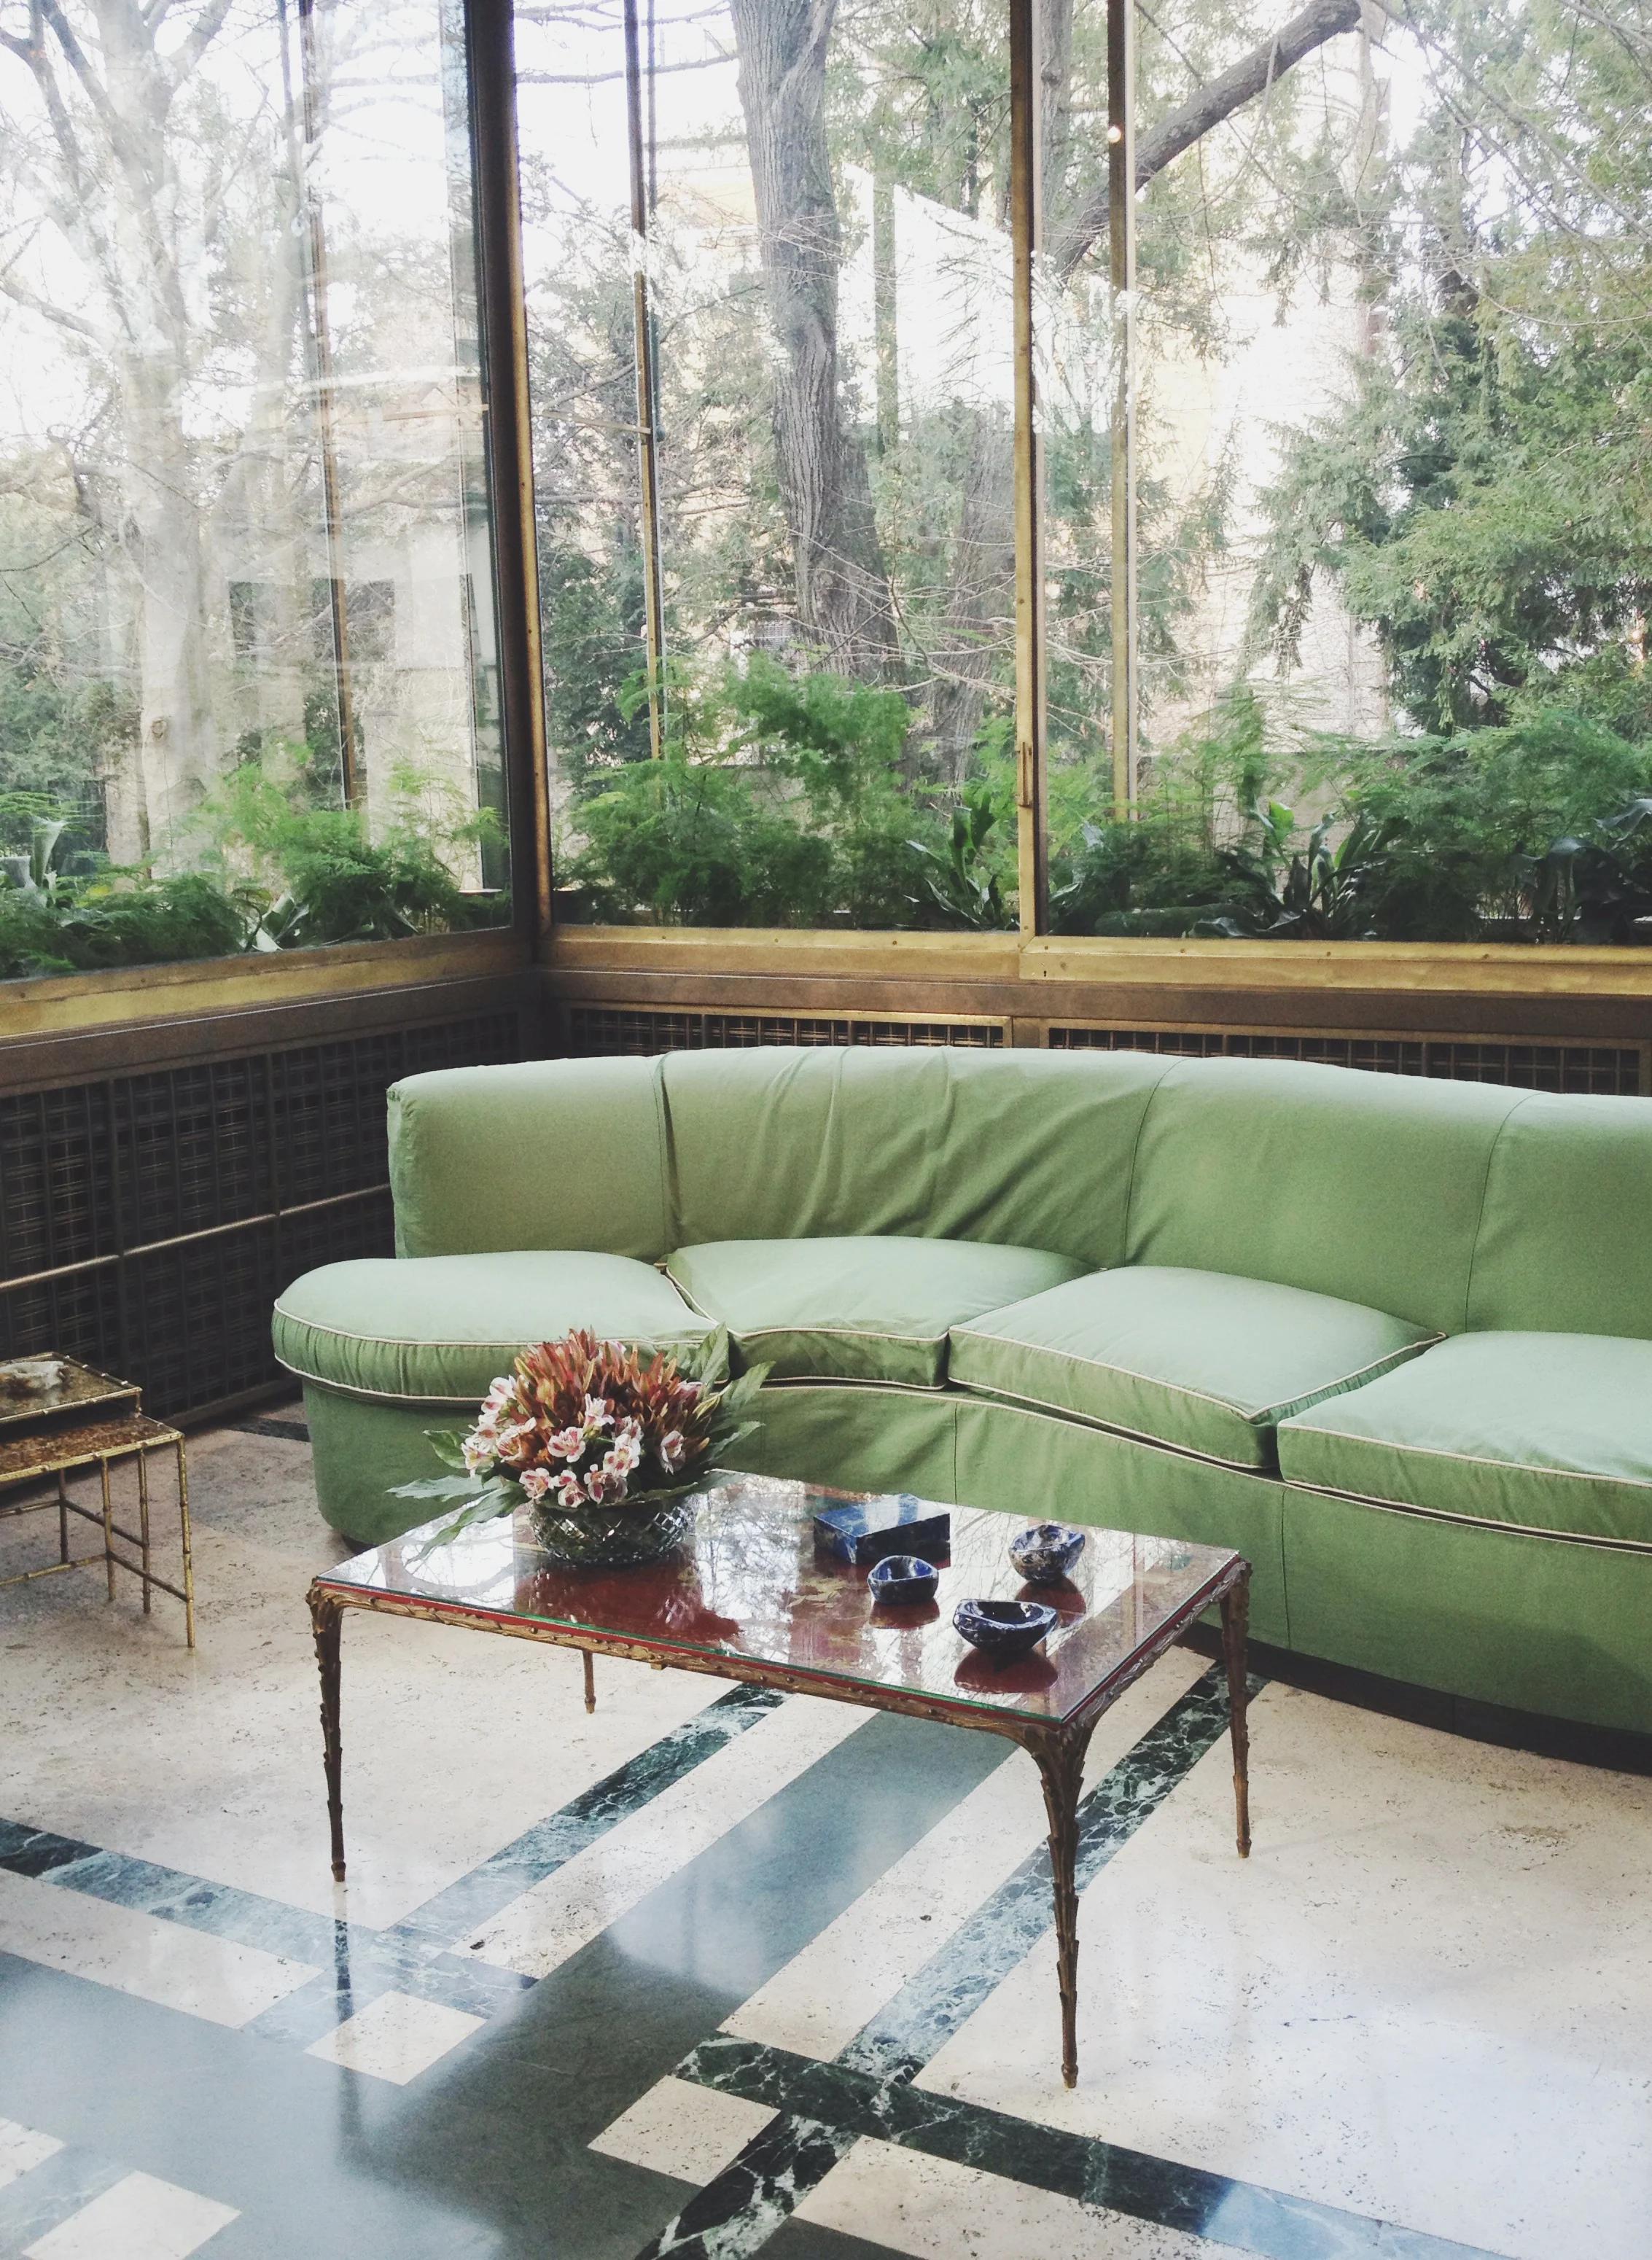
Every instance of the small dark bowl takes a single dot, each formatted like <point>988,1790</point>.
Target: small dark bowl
<point>1045,1554</point>
<point>1003,1629</point>
<point>900,1580</point>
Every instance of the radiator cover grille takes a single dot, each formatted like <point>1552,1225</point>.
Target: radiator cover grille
<point>1619,1071</point>
<point>600,1030</point>
<point>148,1221</point>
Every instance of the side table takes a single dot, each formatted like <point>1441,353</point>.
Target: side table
<point>89,1419</point>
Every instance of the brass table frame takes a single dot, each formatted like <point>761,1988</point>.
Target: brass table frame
<point>1056,1746</point>
<point>100,1444</point>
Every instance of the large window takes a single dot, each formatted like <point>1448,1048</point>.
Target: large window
<point>1336,566</point>
<point>249,693</point>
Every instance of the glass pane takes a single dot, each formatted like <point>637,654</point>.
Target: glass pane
<point>248,660</point>
<point>829,271</point>
<point>1395,531</point>
<point>578,263</point>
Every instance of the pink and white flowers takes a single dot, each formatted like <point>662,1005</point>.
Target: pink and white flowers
<point>583,1422</point>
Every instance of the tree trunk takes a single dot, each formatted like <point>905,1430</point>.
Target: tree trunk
<point>842,587</point>
<point>981,608</point>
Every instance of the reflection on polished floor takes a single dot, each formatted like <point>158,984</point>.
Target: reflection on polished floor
<point>714,1972</point>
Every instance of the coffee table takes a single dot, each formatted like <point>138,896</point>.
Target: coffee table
<point>749,1598</point>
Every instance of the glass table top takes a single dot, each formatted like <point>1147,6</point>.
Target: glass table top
<point>77,1388</point>
<point>751,1587</point>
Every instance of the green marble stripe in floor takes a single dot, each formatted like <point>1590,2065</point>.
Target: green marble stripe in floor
<point>466,2161</point>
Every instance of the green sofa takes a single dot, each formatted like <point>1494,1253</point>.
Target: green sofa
<point>1390,1339</point>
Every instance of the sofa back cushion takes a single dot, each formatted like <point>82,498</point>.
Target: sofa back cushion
<point>1367,1187</point>
<point>551,1154</point>
<point>1027,1148</point>
<point>1565,1244</point>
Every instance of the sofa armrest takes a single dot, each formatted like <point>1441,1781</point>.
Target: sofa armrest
<point>550,1154</point>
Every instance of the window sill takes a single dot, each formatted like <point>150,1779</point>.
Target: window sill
<point>63,1004</point>
<point>1421,969</point>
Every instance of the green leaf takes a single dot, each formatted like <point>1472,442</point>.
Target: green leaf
<point>436,1487</point>
<point>707,1359</point>
<point>448,1446</point>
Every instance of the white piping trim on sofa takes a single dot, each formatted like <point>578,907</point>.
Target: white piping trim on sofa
<point>376,1395</point>
<point>424,1341</point>
<point>1053,1417</point>
<point>1467,1460</point>
<point>1471,1521</point>
<point>982,1394</point>
<point>848,1333</point>
<point>856,1381</point>
<point>1159,1381</point>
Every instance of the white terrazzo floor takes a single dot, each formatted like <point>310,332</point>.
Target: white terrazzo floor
<point>1426,2002</point>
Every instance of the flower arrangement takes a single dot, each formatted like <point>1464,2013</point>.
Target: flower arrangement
<point>583,1424</point>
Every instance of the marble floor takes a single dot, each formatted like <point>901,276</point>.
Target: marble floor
<point>715,1973</point>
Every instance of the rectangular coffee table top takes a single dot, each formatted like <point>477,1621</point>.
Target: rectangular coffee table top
<point>750,1588</point>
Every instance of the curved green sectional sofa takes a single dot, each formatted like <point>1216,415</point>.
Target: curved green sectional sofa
<point>1390,1339</point>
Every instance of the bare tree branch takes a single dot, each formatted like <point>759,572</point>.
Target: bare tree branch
<point>22,296</point>
<point>204,30</point>
<point>1208,106</point>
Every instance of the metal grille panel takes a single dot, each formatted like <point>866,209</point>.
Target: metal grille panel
<point>1618,1070</point>
<point>149,1221</point>
<point>604,1030</point>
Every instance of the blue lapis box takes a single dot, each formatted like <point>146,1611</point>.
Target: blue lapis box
<point>867,1529</point>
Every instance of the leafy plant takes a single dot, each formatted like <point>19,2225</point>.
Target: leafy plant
<point>92,925</point>
<point>1598,890</point>
<point>335,883</point>
<point>582,1422</point>
<point>962,880</point>
<point>683,840</point>
<point>1330,890</point>
<point>1157,875</point>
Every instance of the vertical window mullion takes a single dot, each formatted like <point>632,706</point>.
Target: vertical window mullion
<point>1027,230</point>
<point>648,451</point>
<point>1121,255</point>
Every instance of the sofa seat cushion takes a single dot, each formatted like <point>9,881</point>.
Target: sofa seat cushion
<point>1538,1431</point>
<point>855,1309</point>
<point>1200,1360</point>
<point>436,1329</point>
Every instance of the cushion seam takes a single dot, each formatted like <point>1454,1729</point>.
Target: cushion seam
<point>1469,1521</point>
<point>424,1342</point>
<point>1345,1383</point>
<point>662,1124</point>
<point>1110,1428</point>
<point>382,1396</point>
<point>1157,1381</point>
<point>1485,1188</point>
<point>687,1297</point>
<point>855,1381</point>
<point>807,1327</point>
<point>1469,1460</point>
<point>1135,1150</point>
<point>1055,1417</point>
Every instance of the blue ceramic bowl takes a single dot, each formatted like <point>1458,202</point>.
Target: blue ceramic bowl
<point>1003,1629</point>
<point>900,1579</point>
<point>1045,1554</point>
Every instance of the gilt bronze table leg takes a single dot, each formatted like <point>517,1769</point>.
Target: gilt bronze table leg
<point>109,1534</point>
<point>189,1546</point>
<point>143,1525</point>
<point>1235,1620</point>
<point>1060,1763</point>
<point>327,1616</point>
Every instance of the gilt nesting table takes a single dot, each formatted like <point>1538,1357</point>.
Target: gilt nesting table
<point>85,1420</point>
<point>748,1598</point>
